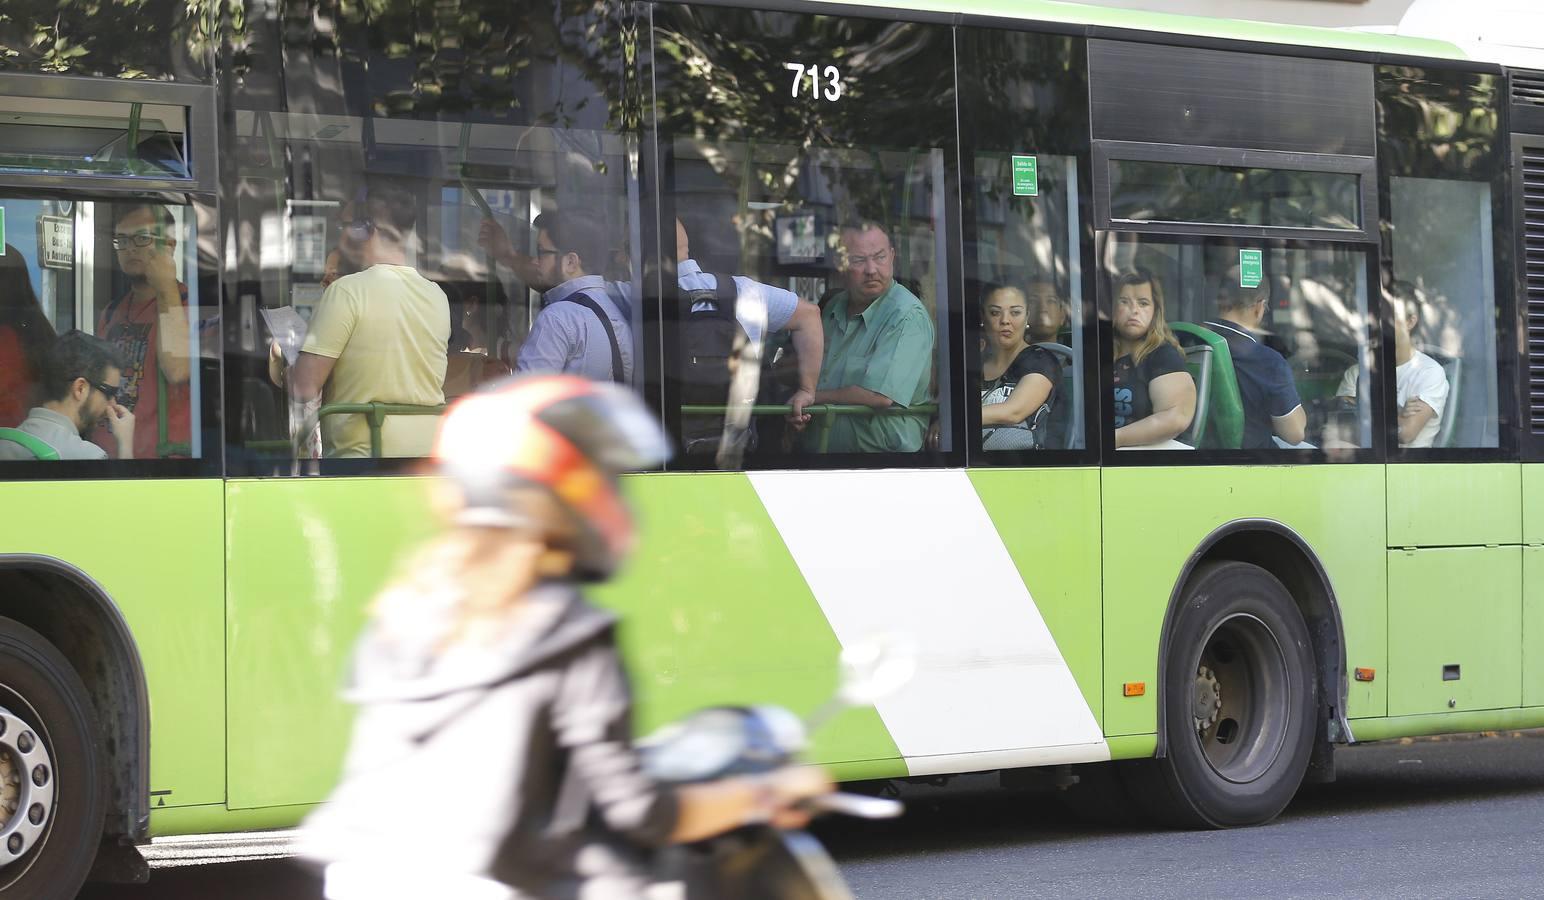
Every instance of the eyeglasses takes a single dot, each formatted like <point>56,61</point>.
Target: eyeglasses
<point>879,259</point>
<point>543,251</point>
<point>362,228</point>
<point>140,239</point>
<point>110,391</point>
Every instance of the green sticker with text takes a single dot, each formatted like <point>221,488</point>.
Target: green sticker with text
<point>1251,268</point>
<point>1026,177</point>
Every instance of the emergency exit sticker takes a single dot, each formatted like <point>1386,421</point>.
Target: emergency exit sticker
<point>1026,177</point>
<point>1251,268</point>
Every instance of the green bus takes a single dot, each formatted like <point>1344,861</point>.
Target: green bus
<point>1326,528</point>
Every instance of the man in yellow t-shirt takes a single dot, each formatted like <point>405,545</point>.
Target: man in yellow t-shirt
<point>379,335</point>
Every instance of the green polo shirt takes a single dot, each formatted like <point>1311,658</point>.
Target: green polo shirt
<point>888,349</point>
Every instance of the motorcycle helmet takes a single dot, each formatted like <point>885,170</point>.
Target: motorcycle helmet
<point>568,436</point>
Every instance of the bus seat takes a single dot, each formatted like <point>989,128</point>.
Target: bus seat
<point>39,448</point>
<point>1452,366</point>
<point>1066,424</point>
<point>1198,359</point>
<point>1223,425</point>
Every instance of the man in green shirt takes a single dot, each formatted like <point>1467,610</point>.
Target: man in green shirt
<point>879,350</point>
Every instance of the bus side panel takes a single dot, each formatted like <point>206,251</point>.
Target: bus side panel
<point>304,557</point>
<point>154,547</point>
<point>1154,518</point>
<point>715,612</point>
<point>1533,585</point>
<point>1049,521</point>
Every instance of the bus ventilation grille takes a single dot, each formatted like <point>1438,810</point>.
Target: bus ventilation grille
<point>1528,88</point>
<point>1533,275</point>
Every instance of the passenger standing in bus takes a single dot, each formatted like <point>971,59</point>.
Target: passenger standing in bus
<point>1155,397</point>
<point>879,349</point>
<point>82,378</point>
<point>1266,387</point>
<point>1018,379</point>
<point>149,326</point>
<point>1420,384</point>
<point>584,326</point>
<point>379,335</point>
<point>25,336</point>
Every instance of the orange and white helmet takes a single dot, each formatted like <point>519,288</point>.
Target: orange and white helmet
<point>571,436</point>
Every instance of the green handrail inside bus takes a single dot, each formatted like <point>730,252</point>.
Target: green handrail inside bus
<point>824,414</point>
<point>375,416</point>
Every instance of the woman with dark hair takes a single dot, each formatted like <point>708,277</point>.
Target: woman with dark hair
<point>1018,379</point>
<point>1155,397</point>
<point>25,337</point>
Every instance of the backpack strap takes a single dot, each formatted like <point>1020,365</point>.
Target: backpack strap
<point>39,448</point>
<point>588,302</point>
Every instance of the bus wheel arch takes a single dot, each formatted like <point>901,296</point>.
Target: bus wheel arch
<point>74,613</point>
<point>1257,611</point>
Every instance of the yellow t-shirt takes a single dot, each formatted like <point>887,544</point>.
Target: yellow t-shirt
<point>387,327</point>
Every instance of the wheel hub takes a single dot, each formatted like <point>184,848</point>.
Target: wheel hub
<point>1206,701</point>
<point>26,787</point>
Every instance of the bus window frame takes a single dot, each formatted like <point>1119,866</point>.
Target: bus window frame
<point>662,308</point>
<point>211,462</point>
<point>1373,330</point>
<point>200,137</point>
<point>1364,167</point>
<point>1506,248</point>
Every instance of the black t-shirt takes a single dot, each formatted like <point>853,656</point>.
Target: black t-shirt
<point>1030,361</point>
<point>1133,403</point>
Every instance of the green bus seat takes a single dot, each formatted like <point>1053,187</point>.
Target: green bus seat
<point>1222,424</point>
<point>39,448</point>
<point>1452,367</point>
<point>1067,432</point>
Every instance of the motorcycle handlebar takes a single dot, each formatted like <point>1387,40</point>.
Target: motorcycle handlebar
<point>856,805</point>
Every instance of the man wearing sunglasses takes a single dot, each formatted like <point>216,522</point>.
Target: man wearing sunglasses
<point>148,325</point>
<point>82,379</point>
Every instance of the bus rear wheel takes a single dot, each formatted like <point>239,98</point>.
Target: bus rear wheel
<point>53,786</point>
<point>1239,703</point>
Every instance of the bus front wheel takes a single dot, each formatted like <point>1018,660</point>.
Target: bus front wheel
<point>53,786</point>
<point>1239,699</point>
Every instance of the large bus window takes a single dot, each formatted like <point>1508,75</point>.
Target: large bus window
<point>415,229</point>
<point>808,165</point>
<point>1228,345</point>
<point>1442,168</point>
<point>165,40</point>
<point>93,137</point>
<point>1024,127</point>
<point>106,351</point>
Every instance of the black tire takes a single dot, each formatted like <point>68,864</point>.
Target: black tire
<point>1240,701</point>
<point>39,687</point>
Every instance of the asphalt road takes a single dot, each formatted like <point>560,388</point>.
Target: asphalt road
<point>1449,818</point>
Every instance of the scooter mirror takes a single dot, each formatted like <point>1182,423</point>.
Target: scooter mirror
<point>875,667</point>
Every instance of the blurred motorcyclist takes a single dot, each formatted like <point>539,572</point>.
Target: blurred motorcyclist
<point>492,754</point>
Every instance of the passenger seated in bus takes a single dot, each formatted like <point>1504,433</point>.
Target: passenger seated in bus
<point>1047,311</point>
<point>879,349</point>
<point>1155,397</point>
<point>82,379</point>
<point>1018,379</point>
<point>1265,384</point>
<point>1420,384</point>
<point>585,325</point>
<point>149,325</point>
<point>783,312</point>
<point>25,337</point>
<point>377,336</point>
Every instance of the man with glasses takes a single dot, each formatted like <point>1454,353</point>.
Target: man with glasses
<point>584,326</point>
<point>379,335</point>
<point>82,381</point>
<point>879,349</point>
<point>149,325</point>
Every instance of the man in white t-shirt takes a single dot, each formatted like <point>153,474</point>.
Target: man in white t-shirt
<point>1420,385</point>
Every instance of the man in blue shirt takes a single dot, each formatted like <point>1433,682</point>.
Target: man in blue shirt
<point>1265,383</point>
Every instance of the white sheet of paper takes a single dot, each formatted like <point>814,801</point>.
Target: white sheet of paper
<point>288,328</point>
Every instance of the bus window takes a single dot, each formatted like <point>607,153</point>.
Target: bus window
<point>1443,170</point>
<point>1230,345</point>
<point>428,228</point>
<point>807,164</point>
<point>1023,233</point>
<point>106,352</point>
